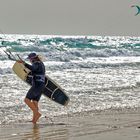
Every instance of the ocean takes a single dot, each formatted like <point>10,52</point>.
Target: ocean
<point>97,72</point>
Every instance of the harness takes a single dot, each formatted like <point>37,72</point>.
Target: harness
<point>40,78</point>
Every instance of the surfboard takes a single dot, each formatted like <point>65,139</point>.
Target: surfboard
<point>52,90</point>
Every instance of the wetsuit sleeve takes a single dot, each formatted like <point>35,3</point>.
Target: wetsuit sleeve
<point>33,67</point>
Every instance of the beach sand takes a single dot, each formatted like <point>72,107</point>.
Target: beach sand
<point>103,125</point>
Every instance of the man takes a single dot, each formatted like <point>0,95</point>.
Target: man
<point>38,84</point>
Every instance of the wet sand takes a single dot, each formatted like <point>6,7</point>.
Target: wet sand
<point>104,125</point>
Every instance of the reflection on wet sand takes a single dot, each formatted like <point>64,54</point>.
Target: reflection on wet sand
<point>29,131</point>
<point>47,131</point>
<point>103,125</point>
<point>34,134</point>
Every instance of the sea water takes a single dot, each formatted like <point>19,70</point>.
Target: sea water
<point>97,73</point>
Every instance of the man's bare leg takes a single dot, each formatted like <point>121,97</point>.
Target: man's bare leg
<point>37,114</point>
<point>33,107</point>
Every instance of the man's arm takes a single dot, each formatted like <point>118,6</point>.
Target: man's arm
<point>33,67</point>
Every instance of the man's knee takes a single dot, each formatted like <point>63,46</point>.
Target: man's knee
<point>26,100</point>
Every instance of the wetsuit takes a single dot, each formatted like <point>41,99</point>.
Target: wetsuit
<point>38,80</point>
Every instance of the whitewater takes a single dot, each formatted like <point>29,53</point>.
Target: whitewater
<point>97,73</point>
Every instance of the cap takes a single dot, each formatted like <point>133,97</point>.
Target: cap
<point>32,56</point>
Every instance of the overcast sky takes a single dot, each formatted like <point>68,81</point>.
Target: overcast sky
<point>70,17</point>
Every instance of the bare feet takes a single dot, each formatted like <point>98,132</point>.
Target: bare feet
<point>36,116</point>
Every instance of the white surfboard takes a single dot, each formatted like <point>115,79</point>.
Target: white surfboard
<point>52,89</point>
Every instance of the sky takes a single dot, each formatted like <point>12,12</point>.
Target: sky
<point>70,17</point>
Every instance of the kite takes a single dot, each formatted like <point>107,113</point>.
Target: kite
<point>138,8</point>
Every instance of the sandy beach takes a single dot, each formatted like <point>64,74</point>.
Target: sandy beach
<point>97,73</point>
<point>104,125</point>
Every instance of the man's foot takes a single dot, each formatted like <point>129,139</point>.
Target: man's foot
<point>36,117</point>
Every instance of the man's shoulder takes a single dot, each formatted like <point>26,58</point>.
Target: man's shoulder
<point>38,62</point>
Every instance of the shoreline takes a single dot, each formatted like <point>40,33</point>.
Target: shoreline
<point>108,124</point>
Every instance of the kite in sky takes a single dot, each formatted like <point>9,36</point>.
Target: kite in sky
<point>138,9</point>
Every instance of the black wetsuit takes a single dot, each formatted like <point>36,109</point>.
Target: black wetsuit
<point>38,80</point>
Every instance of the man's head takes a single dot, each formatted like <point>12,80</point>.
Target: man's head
<point>32,57</point>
